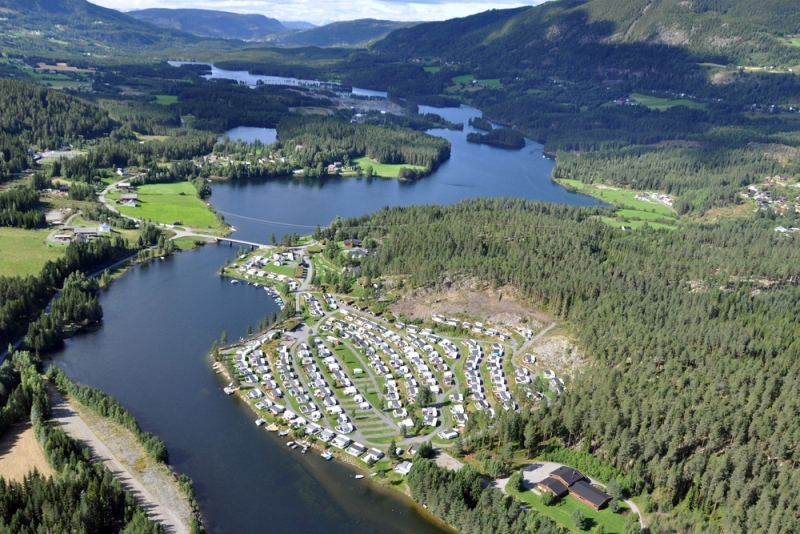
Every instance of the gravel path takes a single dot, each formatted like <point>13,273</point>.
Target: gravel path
<point>68,419</point>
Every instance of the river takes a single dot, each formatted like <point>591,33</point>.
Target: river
<point>151,351</point>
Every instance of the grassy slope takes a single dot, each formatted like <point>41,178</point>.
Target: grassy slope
<point>164,203</point>
<point>166,100</point>
<point>382,169</point>
<point>24,252</point>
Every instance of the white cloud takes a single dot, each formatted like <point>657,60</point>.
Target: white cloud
<point>319,11</point>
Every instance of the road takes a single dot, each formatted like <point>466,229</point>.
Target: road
<point>64,416</point>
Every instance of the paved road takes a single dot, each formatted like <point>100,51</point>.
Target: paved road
<point>65,417</point>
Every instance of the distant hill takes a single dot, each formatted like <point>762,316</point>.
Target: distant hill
<point>347,33</point>
<point>77,23</point>
<point>297,25</point>
<point>741,31</point>
<point>209,23</point>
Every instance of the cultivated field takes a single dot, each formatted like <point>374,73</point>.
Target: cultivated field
<point>24,252</point>
<point>167,203</point>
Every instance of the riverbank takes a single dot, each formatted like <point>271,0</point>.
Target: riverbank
<point>153,485</point>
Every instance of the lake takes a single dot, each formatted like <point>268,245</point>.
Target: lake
<point>151,351</point>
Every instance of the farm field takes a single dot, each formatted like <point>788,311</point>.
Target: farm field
<point>382,169</point>
<point>24,252</point>
<point>166,100</point>
<point>654,102</point>
<point>467,78</point>
<point>167,203</point>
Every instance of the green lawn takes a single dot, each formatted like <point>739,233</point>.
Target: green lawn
<point>382,169</point>
<point>467,78</point>
<point>283,269</point>
<point>654,102</point>
<point>167,203</point>
<point>561,513</point>
<point>793,41</point>
<point>166,100</point>
<point>433,70</point>
<point>24,252</point>
<point>622,199</point>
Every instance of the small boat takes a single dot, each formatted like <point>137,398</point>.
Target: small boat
<point>327,455</point>
<point>359,477</point>
<point>374,474</point>
<point>292,445</point>
<point>283,433</point>
<point>305,450</point>
<point>228,391</point>
<point>234,281</point>
<point>260,422</point>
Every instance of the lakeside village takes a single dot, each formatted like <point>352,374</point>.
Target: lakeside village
<point>359,385</point>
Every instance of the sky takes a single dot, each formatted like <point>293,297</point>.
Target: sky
<point>324,11</point>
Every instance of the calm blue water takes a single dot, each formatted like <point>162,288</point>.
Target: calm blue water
<point>151,351</point>
<point>250,134</point>
<point>259,209</point>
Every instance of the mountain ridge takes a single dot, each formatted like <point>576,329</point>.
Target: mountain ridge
<point>212,23</point>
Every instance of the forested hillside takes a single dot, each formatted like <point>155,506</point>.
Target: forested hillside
<point>342,33</point>
<point>692,393</point>
<point>210,23</point>
<point>603,30</point>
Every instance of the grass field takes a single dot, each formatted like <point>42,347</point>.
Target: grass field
<point>793,41</point>
<point>166,100</point>
<point>561,513</point>
<point>167,203</point>
<point>433,70</point>
<point>382,169</point>
<point>629,211</point>
<point>654,102</point>
<point>24,252</point>
<point>467,78</point>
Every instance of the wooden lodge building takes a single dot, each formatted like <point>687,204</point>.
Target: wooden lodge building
<point>567,481</point>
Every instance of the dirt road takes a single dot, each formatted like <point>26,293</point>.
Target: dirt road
<point>66,417</point>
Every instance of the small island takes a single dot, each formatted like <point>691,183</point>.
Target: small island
<point>500,138</point>
<point>481,124</point>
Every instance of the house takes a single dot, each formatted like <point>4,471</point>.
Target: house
<point>105,228</point>
<point>403,468</point>
<point>577,485</point>
<point>567,475</point>
<point>554,486</point>
<point>352,242</point>
<point>356,449</point>
<point>588,494</point>
<point>128,198</point>
<point>85,232</point>
<point>448,434</point>
<point>413,449</point>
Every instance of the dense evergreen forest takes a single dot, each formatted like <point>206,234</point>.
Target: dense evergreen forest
<point>322,142</point>
<point>692,393</point>
<point>499,137</point>
<point>23,299</point>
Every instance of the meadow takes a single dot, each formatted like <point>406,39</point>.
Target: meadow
<point>561,512</point>
<point>383,170</point>
<point>166,100</point>
<point>24,252</point>
<point>169,203</point>
<point>655,102</point>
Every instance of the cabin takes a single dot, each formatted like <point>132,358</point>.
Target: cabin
<point>352,242</point>
<point>577,485</point>
<point>588,494</point>
<point>403,468</point>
